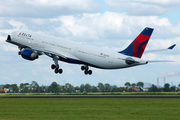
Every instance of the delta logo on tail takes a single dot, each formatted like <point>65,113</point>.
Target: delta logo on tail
<point>137,47</point>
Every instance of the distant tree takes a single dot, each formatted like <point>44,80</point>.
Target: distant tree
<point>153,88</point>
<point>15,88</point>
<point>63,89</point>
<point>140,84</point>
<point>127,84</point>
<point>121,89</point>
<point>24,87</point>
<point>21,86</point>
<point>69,87</point>
<point>100,87</point>
<point>133,85</point>
<point>166,87</point>
<point>43,89</point>
<point>82,87</point>
<point>178,88</point>
<point>58,88</point>
<point>54,87</point>
<point>34,86</point>
<point>114,88</point>
<point>107,87</point>
<point>173,89</point>
<point>7,86</point>
<point>87,87</point>
<point>94,89</point>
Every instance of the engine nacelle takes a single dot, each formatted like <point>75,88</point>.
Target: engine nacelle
<point>129,61</point>
<point>29,54</point>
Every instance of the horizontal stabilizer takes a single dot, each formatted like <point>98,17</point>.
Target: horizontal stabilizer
<point>160,50</point>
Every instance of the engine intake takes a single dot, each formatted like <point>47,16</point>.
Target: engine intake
<point>29,54</point>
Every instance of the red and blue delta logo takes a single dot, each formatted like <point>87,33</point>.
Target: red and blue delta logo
<point>25,34</point>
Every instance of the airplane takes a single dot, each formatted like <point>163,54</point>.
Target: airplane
<point>32,45</point>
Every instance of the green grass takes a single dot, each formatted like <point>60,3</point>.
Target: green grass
<point>90,109</point>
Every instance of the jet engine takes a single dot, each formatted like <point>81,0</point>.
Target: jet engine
<point>129,61</point>
<point>29,54</point>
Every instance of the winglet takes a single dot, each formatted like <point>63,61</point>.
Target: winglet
<point>171,47</point>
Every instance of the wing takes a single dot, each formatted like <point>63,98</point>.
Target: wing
<point>160,50</point>
<point>49,53</point>
<point>59,55</point>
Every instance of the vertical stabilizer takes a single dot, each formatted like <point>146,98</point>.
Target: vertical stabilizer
<point>137,47</point>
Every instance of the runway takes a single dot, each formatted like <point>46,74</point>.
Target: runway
<point>146,97</point>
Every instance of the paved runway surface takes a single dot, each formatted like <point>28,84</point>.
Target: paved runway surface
<point>89,96</point>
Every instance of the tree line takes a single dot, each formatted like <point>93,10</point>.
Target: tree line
<point>34,87</point>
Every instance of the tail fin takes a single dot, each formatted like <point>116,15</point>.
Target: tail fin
<point>137,47</point>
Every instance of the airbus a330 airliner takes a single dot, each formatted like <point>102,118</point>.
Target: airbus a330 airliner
<point>33,45</point>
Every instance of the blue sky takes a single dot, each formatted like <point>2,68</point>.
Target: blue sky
<point>108,24</point>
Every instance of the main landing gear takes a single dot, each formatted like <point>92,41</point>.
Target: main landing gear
<point>86,70</point>
<point>56,66</point>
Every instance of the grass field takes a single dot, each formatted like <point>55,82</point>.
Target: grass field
<point>90,109</point>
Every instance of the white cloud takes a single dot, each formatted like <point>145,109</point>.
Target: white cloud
<point>17,24</point>
<point>143,7</point>
<point>5,25</point>
<point>114,26</point>
<point>47,8</point>
<point>8,48</point>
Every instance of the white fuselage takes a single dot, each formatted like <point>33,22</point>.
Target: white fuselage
<point>84,54</point>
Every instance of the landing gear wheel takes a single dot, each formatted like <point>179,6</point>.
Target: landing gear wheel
<point>56,70</point>
<point>53,66</point>
<point>90,72</point>
<point>86,72</point>
<point>60,71</point>
<point>83,68</point>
